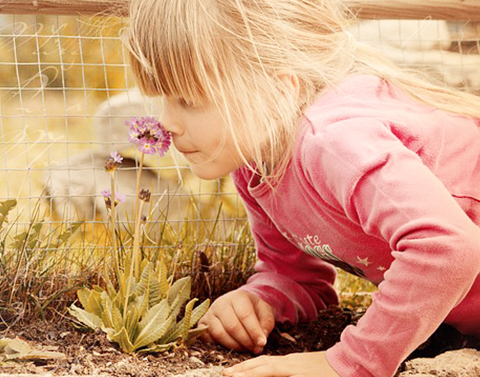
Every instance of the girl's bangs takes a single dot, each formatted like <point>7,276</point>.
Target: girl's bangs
<point>165,70</point>
<point>165,60</point>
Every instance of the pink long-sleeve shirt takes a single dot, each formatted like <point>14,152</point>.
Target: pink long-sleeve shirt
<point>387,189</point>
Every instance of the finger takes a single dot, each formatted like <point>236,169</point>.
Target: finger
<point>219,334</point>
<point>206,337</point>
<point>266,316</point>
<point>234,325</point>
<point>254,331</point>
<point>263,366</point>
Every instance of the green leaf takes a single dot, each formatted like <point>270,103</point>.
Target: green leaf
<point>155,295</point>
<point>162,272</point>
<point>5,207</point>
<point>153,325</point>
<point>182,287</point>
<point>95,303</point>
<point>65,236</point>
<point>110,287</point>
<point>123,340</point>
<point>149,285</point>
<point>180,330</point>
<point>131,321</point>
<point>144,282</point>
<point>199,312</point>
<point>142,304</point>
<point>110,332</point>
<point>19,240</point>
<point>34,235</point>
<point>149,281</point>
<point>117,317</point>
<point>83,296</point>
<point>99,289</point>
<point>179,294</point>
<point>158,348</point>
<point>107,312</point>
<point>88,319</point>
<point>193,334</point>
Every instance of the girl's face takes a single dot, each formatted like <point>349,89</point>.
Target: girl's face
<point>200,134</point>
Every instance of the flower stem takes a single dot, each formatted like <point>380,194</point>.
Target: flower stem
<point>136,256</point>
<point>136,235</point>
<point>113,224</point>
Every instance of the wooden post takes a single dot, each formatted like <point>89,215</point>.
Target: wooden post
<point>65,7</point>
<point>461,10</point>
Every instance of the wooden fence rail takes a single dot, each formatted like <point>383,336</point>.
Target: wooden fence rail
<point>461,10</point>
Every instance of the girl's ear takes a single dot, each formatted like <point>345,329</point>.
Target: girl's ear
<point>290,82</point>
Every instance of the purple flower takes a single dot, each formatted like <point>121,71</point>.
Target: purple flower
<point>113,162</point>
<point>148,135</point>
<point>107,196</point>
<point>164,139</point>
<point>120,198</point>
<point>146,145</point>
<point>117,158</point>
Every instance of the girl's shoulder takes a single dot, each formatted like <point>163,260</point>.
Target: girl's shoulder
<point>361,99</point>
<point>359,96</point>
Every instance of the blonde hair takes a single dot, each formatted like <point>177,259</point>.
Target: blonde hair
<point>230,52</point>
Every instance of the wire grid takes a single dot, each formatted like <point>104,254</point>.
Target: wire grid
<point>65,95</point>
<point>66,91</point>
<point>445,50</point>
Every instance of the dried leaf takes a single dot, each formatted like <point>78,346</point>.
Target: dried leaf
<point>288,337</point>
<point>88,319</point>
<point>18,349</point>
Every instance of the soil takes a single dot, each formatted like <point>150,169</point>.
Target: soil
<point>90,352</point>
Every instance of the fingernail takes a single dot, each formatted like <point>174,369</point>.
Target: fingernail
<point>261,341</point>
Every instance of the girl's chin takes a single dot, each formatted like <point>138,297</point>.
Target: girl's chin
<point>210,171</point>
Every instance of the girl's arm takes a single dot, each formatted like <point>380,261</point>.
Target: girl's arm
<point>364,169</point>
<point>294,283</point>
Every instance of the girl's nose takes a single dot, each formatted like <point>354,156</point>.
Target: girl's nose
<point>172,128</point>
<point>171,124</point>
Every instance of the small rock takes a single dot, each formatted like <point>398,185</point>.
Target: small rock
<point>461,363</point>
<point>205,372</point>
<point>196,360</point>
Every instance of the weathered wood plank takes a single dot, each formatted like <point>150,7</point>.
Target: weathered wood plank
<point>367,9</point>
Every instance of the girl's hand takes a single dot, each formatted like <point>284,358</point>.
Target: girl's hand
<point>239,320</point>
<point>309,364</point>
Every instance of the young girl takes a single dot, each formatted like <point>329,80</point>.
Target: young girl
<point>341,160</point>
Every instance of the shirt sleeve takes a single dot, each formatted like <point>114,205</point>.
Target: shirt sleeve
<point>294,283</point>
<point>365,170</point>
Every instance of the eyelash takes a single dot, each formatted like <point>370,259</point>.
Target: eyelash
<point>185,104</point>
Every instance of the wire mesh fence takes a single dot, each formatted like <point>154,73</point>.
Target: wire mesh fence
<point>65,93</point>
<point>65,96</point>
